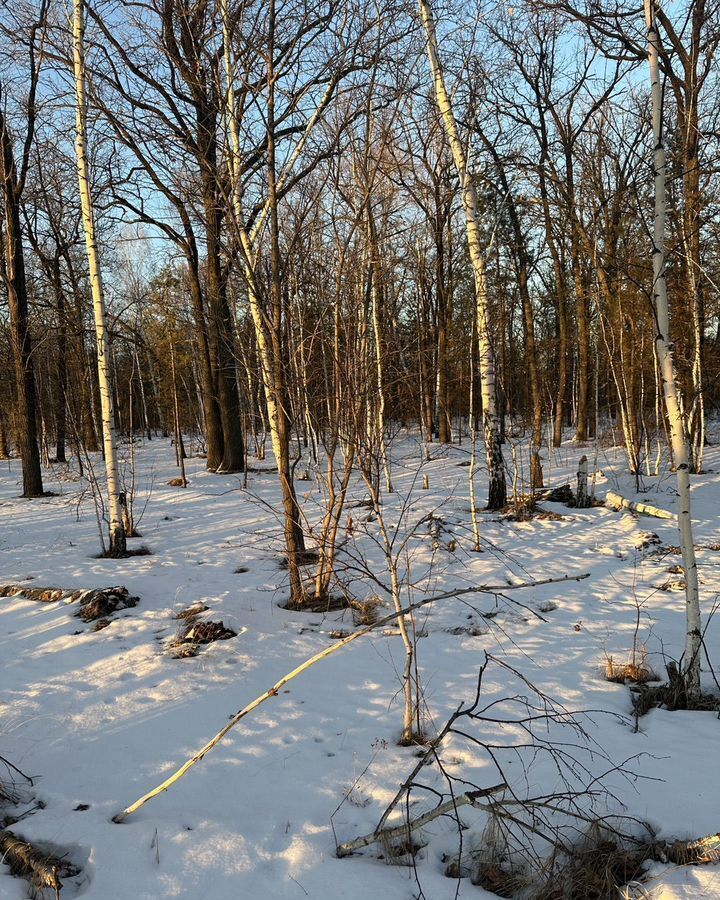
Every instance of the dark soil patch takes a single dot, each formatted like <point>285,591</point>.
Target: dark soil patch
<point>359,504</point>
<point>143,550</point>
<point>470,630</point>
<point>525,508</point>
<point>664,696</point>
<point>671,696</point>
<point>416,739</point>
<point>311,604</point>
<point>561,494</point>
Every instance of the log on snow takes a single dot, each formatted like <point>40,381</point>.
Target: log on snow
<point>41,869</point>
<point>616,501</point>
<point>450,807</point>
<point>94,603</point>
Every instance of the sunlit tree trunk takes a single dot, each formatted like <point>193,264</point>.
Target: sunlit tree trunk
<point>117,532</point>
<point>663,341</point>
<point>497,493</point>
<point>268,325</point>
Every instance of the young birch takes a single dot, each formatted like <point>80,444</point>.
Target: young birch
<point>497,492</point>
<point>663,342</point>
<point>117,532</point>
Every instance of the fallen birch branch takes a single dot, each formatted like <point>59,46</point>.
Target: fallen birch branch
<point>406,828</point>
<point>616,501</point>
<point>298,670</point>
<point>702,851</point>
<point>41,869</point>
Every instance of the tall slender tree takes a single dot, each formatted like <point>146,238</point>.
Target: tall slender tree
<point>117,544</point>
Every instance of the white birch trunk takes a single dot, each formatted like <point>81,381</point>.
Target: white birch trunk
<point>496,471</point>
<point>663,342</point>
<point>375,295</point>
<point>117,532</point>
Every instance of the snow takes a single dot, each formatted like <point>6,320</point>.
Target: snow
<point>100,717</point>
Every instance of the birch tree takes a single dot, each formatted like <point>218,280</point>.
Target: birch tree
<point>497,492</point>
<point>664,344</point>
<point>117,545</point>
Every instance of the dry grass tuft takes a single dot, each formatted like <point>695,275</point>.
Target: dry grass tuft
<point>637,672</point>
<point>400,853</point>
<point>365,612</point>
<point>191,613</point>
<point>597,868</point>
<point>312,603</point>
<point>502,882</point>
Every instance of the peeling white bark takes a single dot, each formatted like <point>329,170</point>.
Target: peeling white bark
<point>496,470</point>
<point>663,342</point>
<point>117,532</point>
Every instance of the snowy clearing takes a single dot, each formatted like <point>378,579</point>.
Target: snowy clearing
<point>99,717</point>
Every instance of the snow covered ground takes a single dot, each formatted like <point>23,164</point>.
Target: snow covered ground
<point>100,717</point>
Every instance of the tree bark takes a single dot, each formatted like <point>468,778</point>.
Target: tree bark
<point>117,532</point>
<point>16,283</point>
<point>663,341</point>
<point>497,492</point>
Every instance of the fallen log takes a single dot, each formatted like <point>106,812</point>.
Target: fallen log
<point>43,870</point>
<point>616,502</point>
<point>387,835</point>
<point>95,603</point>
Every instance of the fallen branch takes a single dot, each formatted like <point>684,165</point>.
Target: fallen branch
<point>406,828</point>
<point>95,603</point>
<point>616,502</point>
<point>298,670</point>
<point>41,869</point>
<point>702,851</point>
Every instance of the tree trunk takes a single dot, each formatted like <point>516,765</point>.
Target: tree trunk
<point>117,531</point>
<point>15,281</point>
<point>497,493</point>
<point>663,341</point>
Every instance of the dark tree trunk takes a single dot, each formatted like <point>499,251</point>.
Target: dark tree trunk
<point>14,276</point>
<point>220,319</point>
